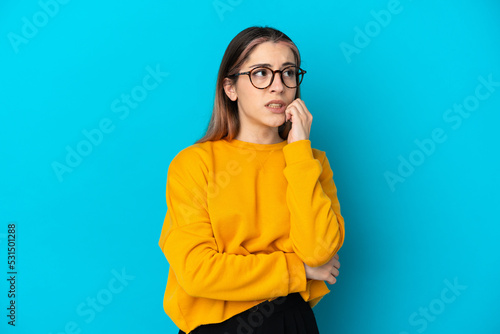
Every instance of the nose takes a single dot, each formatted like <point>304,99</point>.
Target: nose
<point>277,84</point>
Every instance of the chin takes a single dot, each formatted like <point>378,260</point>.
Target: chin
<point>277,123</point>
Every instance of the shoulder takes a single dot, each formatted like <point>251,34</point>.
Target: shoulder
<point>194,154</point>
<point>194,157</point>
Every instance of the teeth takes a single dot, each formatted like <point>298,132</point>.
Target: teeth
<point>274,105</point>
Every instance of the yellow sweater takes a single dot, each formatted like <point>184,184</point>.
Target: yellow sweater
<point>242,219</point>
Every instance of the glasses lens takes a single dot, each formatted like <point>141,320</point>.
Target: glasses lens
<point>290,77</point>
<point>261,77</point>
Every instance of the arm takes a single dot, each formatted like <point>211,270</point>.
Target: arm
<point>317,227</point>
<point>189,245</point>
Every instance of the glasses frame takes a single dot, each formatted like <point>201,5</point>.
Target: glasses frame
<point>300,73</point>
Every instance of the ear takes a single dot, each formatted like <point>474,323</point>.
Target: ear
<point>229,89</point>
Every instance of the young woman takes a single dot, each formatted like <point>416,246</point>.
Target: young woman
<point>253,222</point>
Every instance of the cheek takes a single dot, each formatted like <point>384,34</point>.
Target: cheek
<point>244,90</point>
<point>249,99</point>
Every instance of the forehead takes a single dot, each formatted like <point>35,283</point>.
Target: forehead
<point>271,53</point>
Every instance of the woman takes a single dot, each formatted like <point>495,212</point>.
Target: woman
<point>253,222</point>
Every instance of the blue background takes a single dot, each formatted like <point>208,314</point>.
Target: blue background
<point>405,243</point>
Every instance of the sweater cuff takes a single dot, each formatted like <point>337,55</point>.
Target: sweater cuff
<point>298,151</point>
<point>297,281</point>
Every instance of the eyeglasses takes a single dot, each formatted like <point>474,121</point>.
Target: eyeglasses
<point>263,77</point>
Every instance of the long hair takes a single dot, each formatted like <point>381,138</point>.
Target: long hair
<point>225,123</point>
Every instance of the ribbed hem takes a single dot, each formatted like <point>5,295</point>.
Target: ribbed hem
<point>297,273</point>
<point>255,146</point>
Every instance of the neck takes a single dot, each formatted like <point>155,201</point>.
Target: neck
<point>267,136</point>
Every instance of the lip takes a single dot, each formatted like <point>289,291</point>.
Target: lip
<point>277,110</point>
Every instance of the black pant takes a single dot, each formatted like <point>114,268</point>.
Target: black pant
<point>290,315</point>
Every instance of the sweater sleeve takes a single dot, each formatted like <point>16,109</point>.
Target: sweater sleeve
<point>316,225</point>
<point>188,242</point>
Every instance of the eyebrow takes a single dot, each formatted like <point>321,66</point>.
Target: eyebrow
<point>269,65</point>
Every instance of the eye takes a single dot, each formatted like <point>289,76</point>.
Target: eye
<point>260,72</point>
<point>290,72</point>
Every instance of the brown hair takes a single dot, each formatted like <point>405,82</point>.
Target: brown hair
<point>225,123</point>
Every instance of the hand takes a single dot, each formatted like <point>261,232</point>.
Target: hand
<point>327,272</point>
<point>301,120</point>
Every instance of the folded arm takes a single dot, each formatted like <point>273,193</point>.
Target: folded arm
<point>316,225</point>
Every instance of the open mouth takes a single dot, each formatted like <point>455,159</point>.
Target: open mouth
<point>275,105</point>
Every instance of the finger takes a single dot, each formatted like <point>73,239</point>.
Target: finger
<point>330,263</point>
<point>288,115</point>
<point>335,272</point>
<point>301,104</point>
<point>332,280</point>
<point>303,108</point>
<point>300,107</point>
<point>333,260</point>
<point>336,263</point>
<point>290,112</point>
